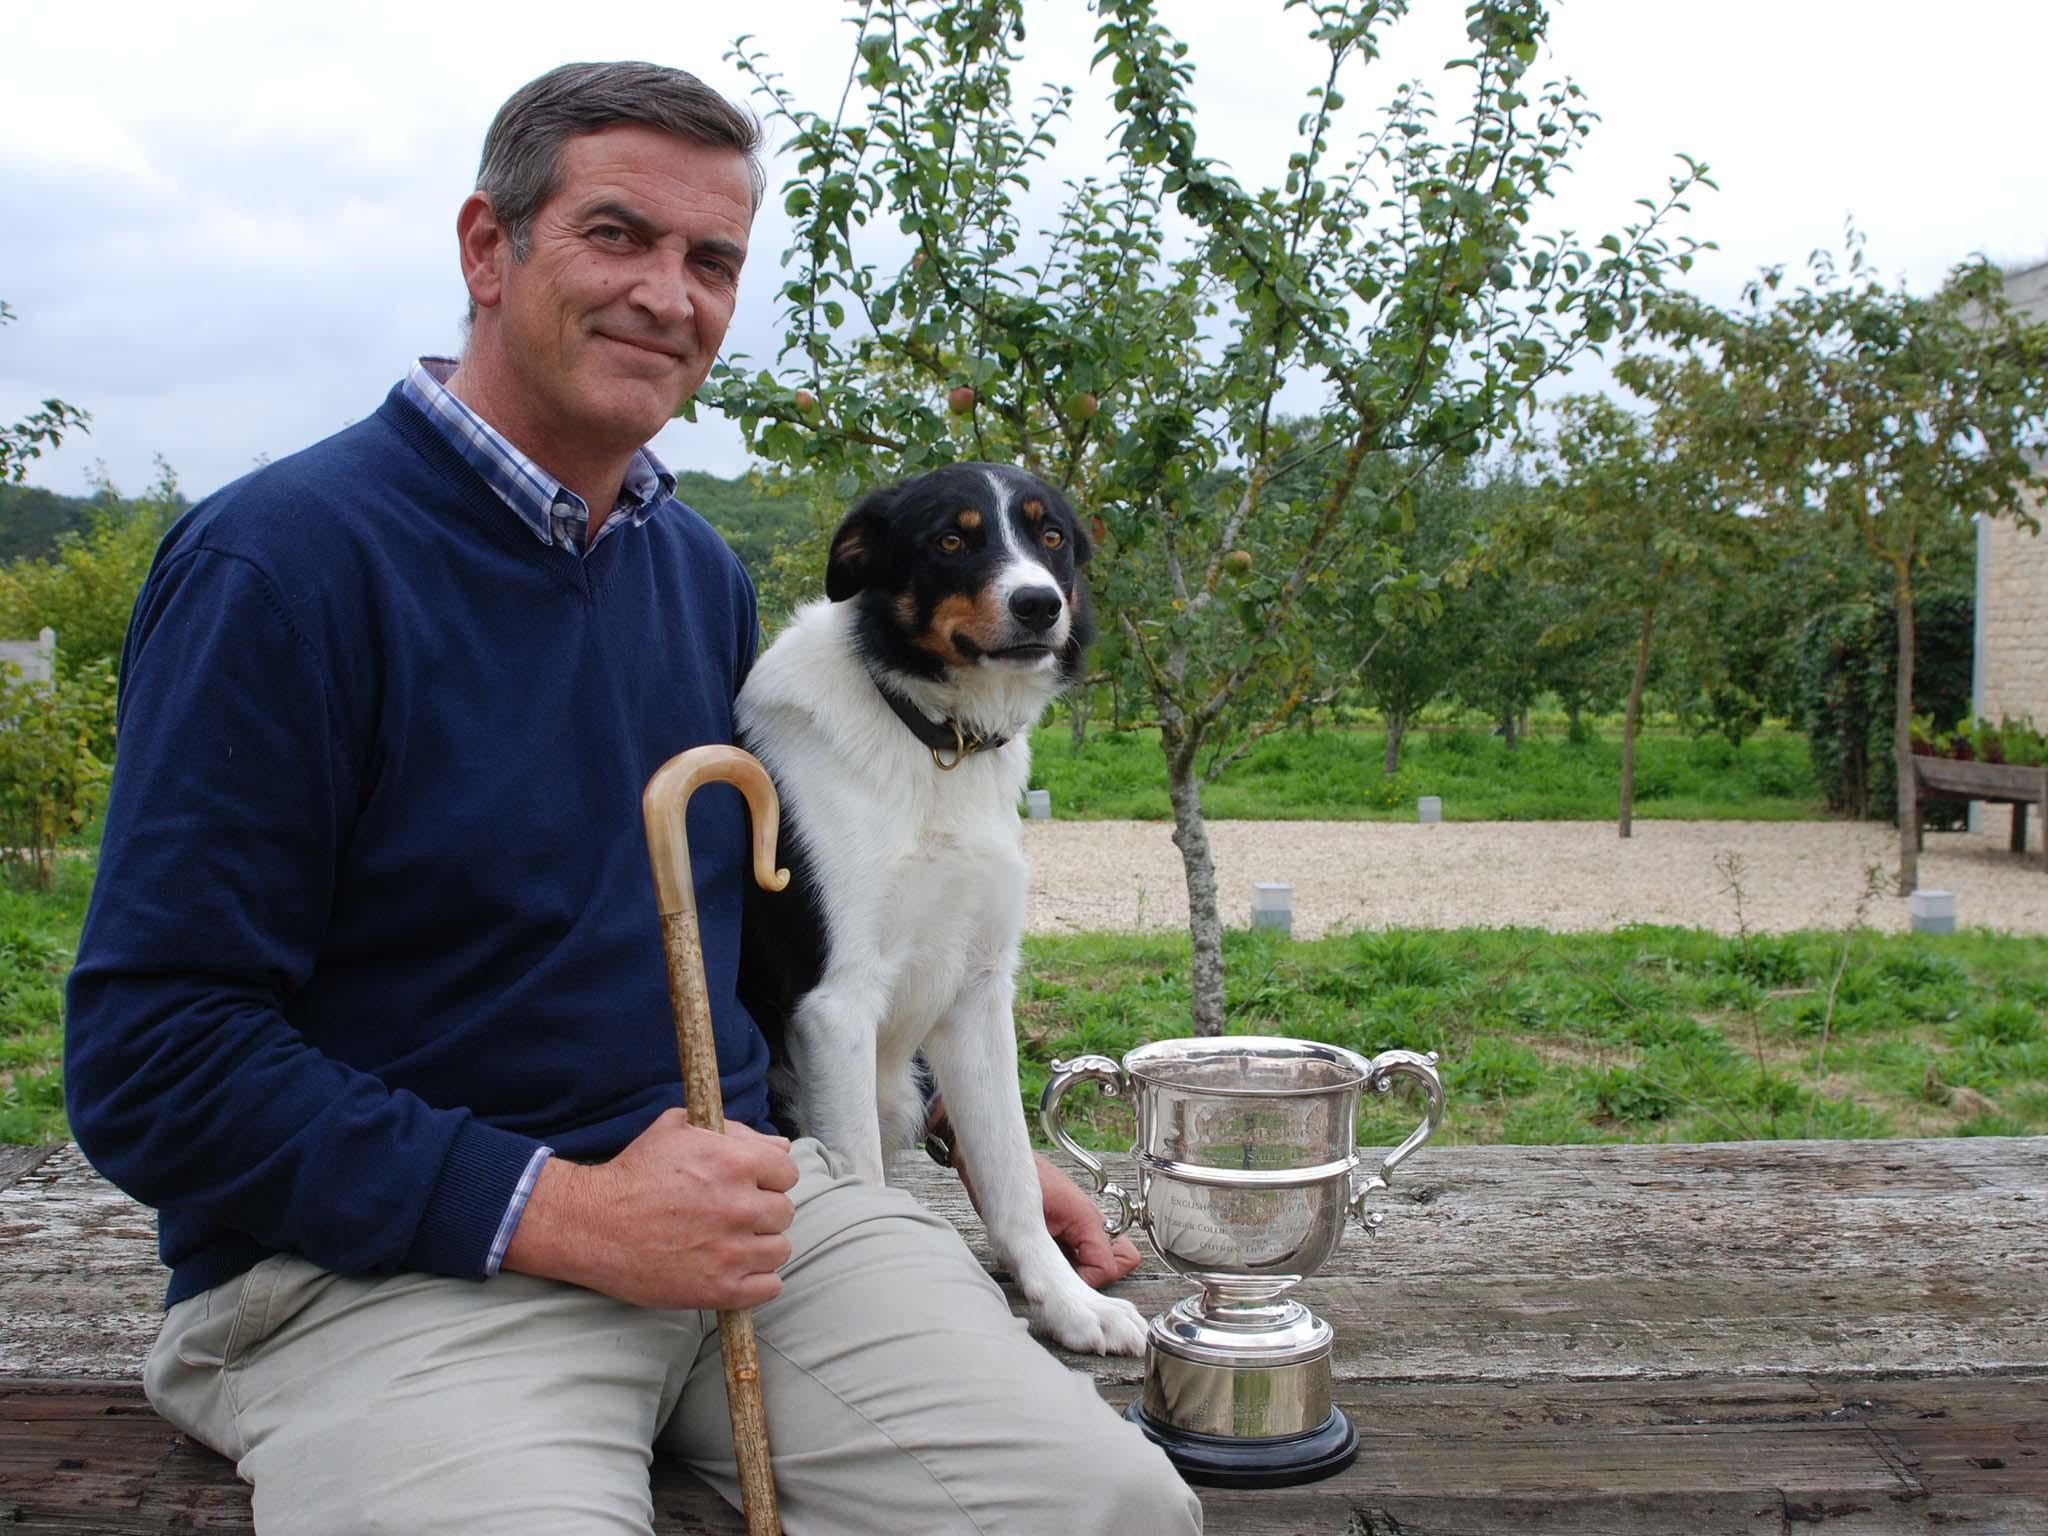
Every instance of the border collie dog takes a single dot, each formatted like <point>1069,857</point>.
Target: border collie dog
<point>894,717</point>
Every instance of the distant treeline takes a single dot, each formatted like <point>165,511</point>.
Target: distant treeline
<point>33,519</point>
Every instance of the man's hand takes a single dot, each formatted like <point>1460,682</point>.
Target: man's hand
<point>1076,1225</point>
<point>681,1218</point>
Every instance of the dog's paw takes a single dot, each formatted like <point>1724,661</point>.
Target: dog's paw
<point>1092,1324</point>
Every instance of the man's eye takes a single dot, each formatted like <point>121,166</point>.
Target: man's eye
<point>1052,538</point>
<point>952,543</point>
<point>610,234</point>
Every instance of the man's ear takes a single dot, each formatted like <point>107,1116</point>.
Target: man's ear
<point>484,248</point>
<point>856,558</point>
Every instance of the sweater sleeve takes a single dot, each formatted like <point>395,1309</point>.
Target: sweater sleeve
<point>235,792</point>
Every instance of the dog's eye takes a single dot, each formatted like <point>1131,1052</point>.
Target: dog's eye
<point>1052,538</point>
<point>951,542</point>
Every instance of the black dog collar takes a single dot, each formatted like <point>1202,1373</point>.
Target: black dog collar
<point>942,736</point>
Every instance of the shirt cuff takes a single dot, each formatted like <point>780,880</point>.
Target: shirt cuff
<point>517,1208</point>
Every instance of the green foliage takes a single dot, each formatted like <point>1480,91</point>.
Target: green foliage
<point>1630,1036</point>
<point>28,439</point>
<point>779,528</point>
<point>1335,774</point>
<point>33,519</point>
<point>38,933</point>
<point>52,776</point>
<point>86,590</point>
<point>1637,519</point>
<point>1893,417</point>
<point>1848,675</point>
<point>2017,742</point>
<point>1131,351</point>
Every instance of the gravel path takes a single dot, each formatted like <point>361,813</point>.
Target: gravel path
<point>1546,874</point>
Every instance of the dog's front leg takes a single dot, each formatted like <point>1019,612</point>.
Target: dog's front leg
<point>832,1046</point>
<point>973,1057</point>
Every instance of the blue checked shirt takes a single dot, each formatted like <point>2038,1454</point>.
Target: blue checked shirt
<point>556,515</point>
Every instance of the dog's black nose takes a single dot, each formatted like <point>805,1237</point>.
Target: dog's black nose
<point>1036,608</point>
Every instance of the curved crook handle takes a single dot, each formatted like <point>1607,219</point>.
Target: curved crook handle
<point>667,796</point>
<point>1087,1069</point>
<point>1384,1068</point>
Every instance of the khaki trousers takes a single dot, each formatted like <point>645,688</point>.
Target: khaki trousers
<point>902,1395</point>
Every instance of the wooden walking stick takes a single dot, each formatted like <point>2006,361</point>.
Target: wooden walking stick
<point>666,798</point>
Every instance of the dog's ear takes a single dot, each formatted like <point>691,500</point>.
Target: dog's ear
<point>857,547</point>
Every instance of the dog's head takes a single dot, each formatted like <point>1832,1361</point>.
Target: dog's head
<point>974,566</point>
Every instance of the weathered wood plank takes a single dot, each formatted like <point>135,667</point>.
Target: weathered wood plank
<point>1981,781</point>
<point>15,1161</point>
<point>1497,1263</point>
<point>1574,1457</point>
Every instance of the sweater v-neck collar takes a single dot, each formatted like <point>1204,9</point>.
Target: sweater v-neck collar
<point>587,575</point>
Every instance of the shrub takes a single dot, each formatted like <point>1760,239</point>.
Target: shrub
<point>51,774</point>
<point>1848,675</point>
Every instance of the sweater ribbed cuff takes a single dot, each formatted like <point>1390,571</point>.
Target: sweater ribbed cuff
<point>478,1180</point>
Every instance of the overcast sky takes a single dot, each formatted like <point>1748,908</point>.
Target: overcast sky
<point>227,228</point>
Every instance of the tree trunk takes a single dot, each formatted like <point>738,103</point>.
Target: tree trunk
<point>1507,729</point>
<point>1396,724</point>
<point>1077,716</point>
<point>1902,734</point>
<point>1205,919</point>
<point>1629,723</point>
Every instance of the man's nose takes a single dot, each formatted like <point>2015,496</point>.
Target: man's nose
<point>664,290</point>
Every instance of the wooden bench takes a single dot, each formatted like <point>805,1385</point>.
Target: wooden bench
<point>1849,1337</point>
<point>1942,778</point>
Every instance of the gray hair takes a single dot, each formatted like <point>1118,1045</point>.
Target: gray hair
<point>522,158</point>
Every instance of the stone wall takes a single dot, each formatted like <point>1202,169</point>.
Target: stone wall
<point>2012,583</point>
<point>2012,625</point>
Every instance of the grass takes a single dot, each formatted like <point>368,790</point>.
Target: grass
<point>1337,774</point>
<point>38,935</point>
<point>1643,1034</point>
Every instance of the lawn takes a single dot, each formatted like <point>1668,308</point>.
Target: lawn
<point>1338,774</point>
<point>38,934</point>
<point>1644,1034</point>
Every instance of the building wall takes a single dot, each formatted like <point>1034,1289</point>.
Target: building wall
<point>2012,621</point>
<point>2012,583</point>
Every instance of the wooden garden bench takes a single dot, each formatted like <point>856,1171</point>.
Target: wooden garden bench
<point>1847,1337</point>
<point>1941,778</point>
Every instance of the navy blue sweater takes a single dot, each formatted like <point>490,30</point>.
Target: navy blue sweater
<point>374,917</point>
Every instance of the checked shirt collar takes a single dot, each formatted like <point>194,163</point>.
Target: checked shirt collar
<point>556,514</point>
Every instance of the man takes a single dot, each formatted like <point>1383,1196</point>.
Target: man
<point>370,1002</point>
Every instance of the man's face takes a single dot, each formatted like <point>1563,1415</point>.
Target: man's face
<point>615,316</point>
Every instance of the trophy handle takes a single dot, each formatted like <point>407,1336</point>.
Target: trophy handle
<point>1107,1073</point>
<point>1384,1068</point>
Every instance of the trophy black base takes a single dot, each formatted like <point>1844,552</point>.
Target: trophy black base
<point>1224,1461</point>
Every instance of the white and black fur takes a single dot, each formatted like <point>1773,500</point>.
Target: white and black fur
<point>898,937</point>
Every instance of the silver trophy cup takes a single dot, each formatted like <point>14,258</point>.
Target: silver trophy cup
<point>1247,1163</point>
